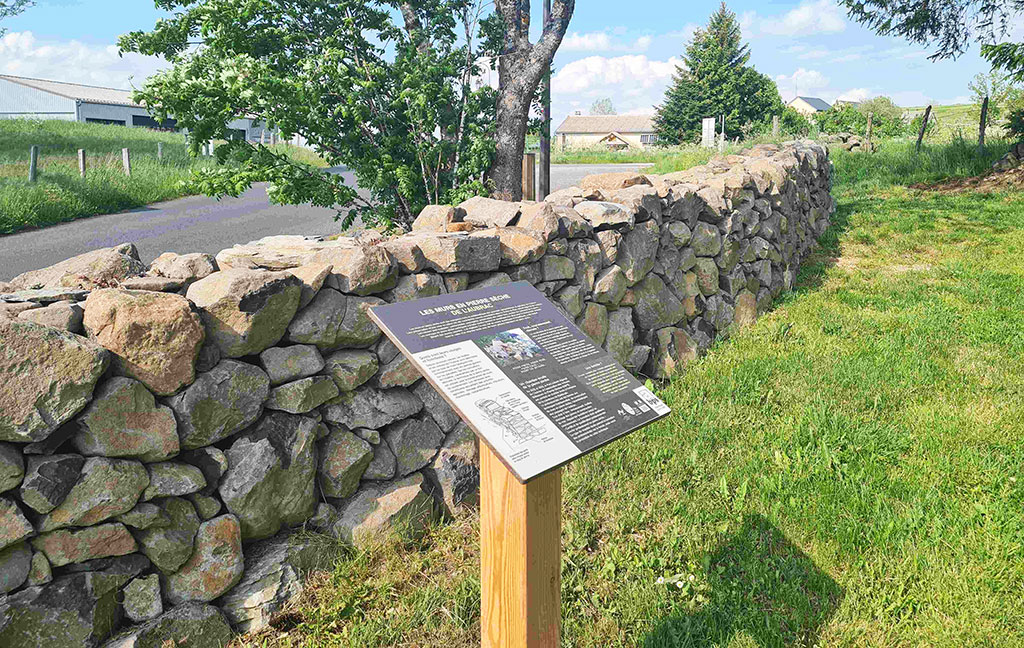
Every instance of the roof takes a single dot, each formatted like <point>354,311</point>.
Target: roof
<point>814,102</point>
<point>87,93</point>
<point>607,124</point>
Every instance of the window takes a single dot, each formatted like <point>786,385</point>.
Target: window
<point>148,122</point>
<point>648,138</point>
<point>97,120</point>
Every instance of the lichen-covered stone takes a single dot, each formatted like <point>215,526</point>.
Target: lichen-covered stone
<point>454,474</point>
<point>66,546</point>
<point>89,270</point>
<point>245,311</point>
<point>519,245</point>
<point>154,337</point>
<point>124,420</point>
<point>65,315</point>
<point>414,441</point>
<point>605,215</point>
<point>192,625</point>
<point>284,364</point>
<point>556,268</point>
<point>334,320</point>
<point>369,407</point>
<point>706,240</point>
<point>402,505</point>
<point>636,251</point>
<point>145,515</point>
<point>39,572</point>
<point>358,269</point>
<point>619,341</point>
<point>12,467</point>
<point>142,599</point>
<point>170,545</point>
<point>186,268</point>
<point>399,372</point>
<point>594,322</point>
<point>13,525</point>
<point>172,478</point>
<point>213,568</point>
<point>488,212</point>
<point>383,465</point>
<point>656,305</point>
<point>416,286</point>
<point>48,480</point>
<point>672,350</point>
<point>15,564</point>
<point>105,488</point>
<point>222,401</point>
<point>301,396</point>
<point>48,377</point>
<point>74,610</point>
<point>313,278</point>
<point>610,286</point>
<point>707,276</point>
<point>436,406</point>
<point>350,368</point>
<point>343,459</point>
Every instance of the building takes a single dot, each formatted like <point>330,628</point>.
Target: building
<point>612,131</point>
<point>25,98</point>
<point>808,105</point>
<point>838,103</point>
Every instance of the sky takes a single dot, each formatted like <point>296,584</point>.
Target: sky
<point>810,47</point>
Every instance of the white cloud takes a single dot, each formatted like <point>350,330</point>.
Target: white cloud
<point>809,19</point>
<point>22,54</point>
<point>634,83</point>
<point>601,42</point>
<point>856,94</point>
<point>802,82</point>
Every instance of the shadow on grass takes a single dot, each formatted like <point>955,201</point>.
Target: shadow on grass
<point>762,586</point>
<point>812,271</point>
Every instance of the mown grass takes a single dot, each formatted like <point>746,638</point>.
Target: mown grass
<point>847,471</point>
<point>60,194</point>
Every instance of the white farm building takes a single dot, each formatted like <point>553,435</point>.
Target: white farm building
<point>25,98</point>
<point>611,131</point>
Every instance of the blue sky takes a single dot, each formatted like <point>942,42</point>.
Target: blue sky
<point>627,54</point>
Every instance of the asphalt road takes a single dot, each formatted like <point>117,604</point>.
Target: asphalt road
<point>197,224</point>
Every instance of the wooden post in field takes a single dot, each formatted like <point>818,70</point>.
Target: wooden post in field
<point>263,136</point>
<point>529,176</point>
<point>981,126</point>
<point>126,161</point>
<point>775,125</point>
<point>871,117</point>
<point>721,140</point>
<point>81,162</point>
<point>33,161</point>
<point>924,125</point>
<point>160,152</point>
<point>520,557</point>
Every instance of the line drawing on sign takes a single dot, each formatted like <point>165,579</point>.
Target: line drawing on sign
<point>516,430</point>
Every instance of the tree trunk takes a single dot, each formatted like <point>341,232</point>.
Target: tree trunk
<point>520,69</point>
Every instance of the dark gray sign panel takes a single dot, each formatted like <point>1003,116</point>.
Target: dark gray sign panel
<point>532,385</point>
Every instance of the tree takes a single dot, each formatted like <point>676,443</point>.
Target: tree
<point>10,8</point>
<point>602,107</point>
<point>715,80</point>
<point>882,108</point>
<point>948,25</point>
<point>1000,90</point>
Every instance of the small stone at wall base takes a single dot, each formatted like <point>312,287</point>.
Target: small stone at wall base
<point>454,474</point>
<point>192,625</point>
<point>142,598</point>
<point>73,610</point>
<point>402,506</point>
<point>344,458</point>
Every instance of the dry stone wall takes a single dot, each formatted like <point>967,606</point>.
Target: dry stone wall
<point>162,429</point>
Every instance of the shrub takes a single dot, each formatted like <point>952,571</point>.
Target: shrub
<point>1015,124</point>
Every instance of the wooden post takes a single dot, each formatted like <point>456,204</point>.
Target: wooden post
<point>721,140</point>
<point>871,117</point>
<point>924,125</point>
<point>775,125</point>
<point>263,136</point>
<point>160,152</point>
<point>33,162</point>
<point>981,126</point>
<point>520,556</point>
<point>126,161</point>
<point>81,162</point>
<point>529,176</point>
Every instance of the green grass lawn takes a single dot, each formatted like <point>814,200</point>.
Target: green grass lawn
<point>848,471</point>
<point>60,194</point>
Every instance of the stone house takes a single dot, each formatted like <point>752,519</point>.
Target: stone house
<point>611,131</point>
<point>808,106</point>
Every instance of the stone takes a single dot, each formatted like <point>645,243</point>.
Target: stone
<point>402,505</point>
<point>48,377</point>
<point>49,479</point>
<point>206,506</point>
<point>370,436</point>
<point>350,368</point>
<point>145,515</point>
<point>488,212</point>
<point>284,364</point>
<point>302,395</point>
<point>454,474</point>
<point>15,564</point>
<point>414,441</point>
<point>637,250</point>
<point>612,181</point>
<point>124,420</point>
<point>271,475</point>
<point>399,372</point>
<point>529,273</point>
<point>273,580</point>
<point>343,459</point>
<point>170,545</point>
<point>610,286</point>
<point>12,467</point>
<point>221,402</point>
<point>151,283</point>
<point>456,282</point>
<point>245,311</point>
<point>383,465</point>
<point>619,340</point>
<point>638,358</point>
<point>335,320</point>
<point>74,610</point>
<point>436,406</point>
<point>435,218</point>
<point>64,315</point>
<point>571,299</point>
<point>95,269</point>
<point>171,478</point>
<point>192,625</point>
<point>707,275</point>
<point>605,215</point>
<point>745,309</point>
<point>11,310</point>
<point>186,268</point>
<point>729,255</point>
<point>586,256</point>
<point>656,305</point>
<point>313,278</point>
<point>609,241</point>
<point>519,245</point>
<point>215,565</point>
<point>142,599</point>
<point>495,279</point>
<point>478,252</point>
<point>556,268</point>
<point>358,269</point>
<point>672,349</point>
<point>105,488</point>
<point>541,218</point>
<point>154,337</point>
<point>14,527</point>
<point>368,407</point>
<point>706,240</point>
<point>416,286</point>
<point>642,200</point>
<point>594,322</point>
<point>209,356</point>
<point>39,572</point>
<point>66,546</point>
<point>679,233</point>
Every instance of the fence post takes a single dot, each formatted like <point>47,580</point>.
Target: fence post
<point>529,176</point>
<point>721,140</point>
<point>775,125</point>
<point>871,117</point>
<point>81,162</point>
<point>33,159</point>
<point>707,134</point>
<point>126,161</point>
<point>924,125</point>
<point>981,126</point>
<point>160,152</point>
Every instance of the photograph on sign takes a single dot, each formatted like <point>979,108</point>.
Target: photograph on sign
<point>536,389</point>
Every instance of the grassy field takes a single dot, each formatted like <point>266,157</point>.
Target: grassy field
<point>848,471</point>
<point>60,194</point>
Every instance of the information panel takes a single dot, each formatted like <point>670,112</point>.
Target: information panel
<point>532,385</point>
